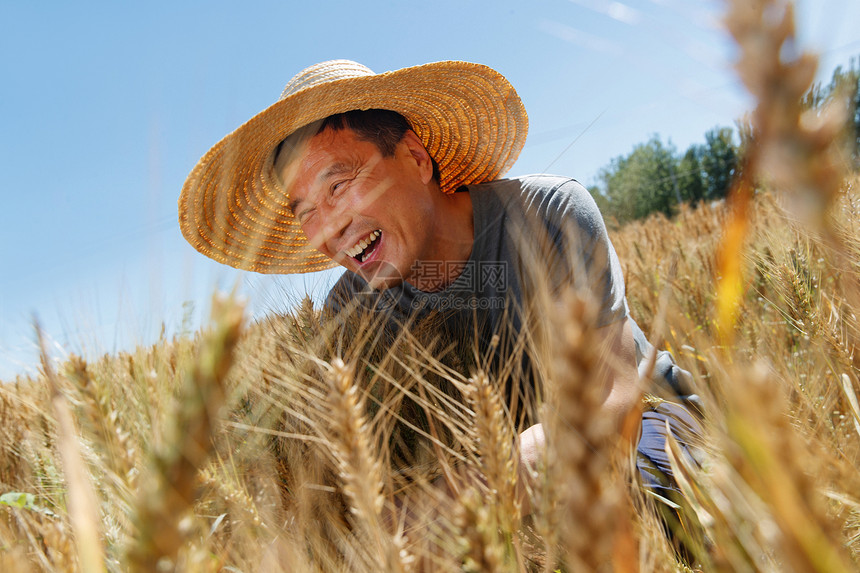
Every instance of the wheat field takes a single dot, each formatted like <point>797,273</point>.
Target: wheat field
<point>301,443</point>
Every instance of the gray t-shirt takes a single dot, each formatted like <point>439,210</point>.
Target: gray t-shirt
<point>532,232</point>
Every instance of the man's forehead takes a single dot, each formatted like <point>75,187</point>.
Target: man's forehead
<point>330,153</point>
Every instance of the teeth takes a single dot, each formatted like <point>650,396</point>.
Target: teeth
<point>363,244</point>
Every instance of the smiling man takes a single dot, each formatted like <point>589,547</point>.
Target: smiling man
<point>372,202</point>
<point>395,177</point>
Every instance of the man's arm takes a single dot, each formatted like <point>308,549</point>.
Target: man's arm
<point>622,383</point>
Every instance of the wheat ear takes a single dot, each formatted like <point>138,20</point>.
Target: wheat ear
<point>495,444</point>
<point>360,470</point>
<point>582,439</point>
<point>168,497</point>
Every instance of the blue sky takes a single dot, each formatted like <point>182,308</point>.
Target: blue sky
<point>106,107</point>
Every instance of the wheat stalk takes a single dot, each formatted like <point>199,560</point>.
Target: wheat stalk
<point>82,501</point>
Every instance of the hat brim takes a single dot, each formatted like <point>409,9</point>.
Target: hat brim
<point>468,116</point>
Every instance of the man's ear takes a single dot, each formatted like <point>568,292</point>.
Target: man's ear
<point>419,153</point>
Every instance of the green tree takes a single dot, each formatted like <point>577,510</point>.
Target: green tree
<point>641,183</point>
<point>719,160</point>
<point>851,84</point>
<point>844,85</point>
<point>601,199</point>
<point>857,122</point>
<point>691,178</point>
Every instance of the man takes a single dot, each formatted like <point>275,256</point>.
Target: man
<point>395,177</point>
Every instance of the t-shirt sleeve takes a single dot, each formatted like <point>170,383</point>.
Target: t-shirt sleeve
<point>579,253</point>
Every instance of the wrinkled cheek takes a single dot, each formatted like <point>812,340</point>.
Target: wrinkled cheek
<point>373,196</point>
<point>317,239</point>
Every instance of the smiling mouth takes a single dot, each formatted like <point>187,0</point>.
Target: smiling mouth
<point>363,248</point>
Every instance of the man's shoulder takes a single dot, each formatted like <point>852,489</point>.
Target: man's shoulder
<point>528,185</point>
<point>540,193</point>
<point>552,198</point>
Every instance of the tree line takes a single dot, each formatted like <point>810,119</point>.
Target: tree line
<point>655,177</point>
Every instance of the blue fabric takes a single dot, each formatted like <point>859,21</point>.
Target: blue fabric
<point>652,461</point>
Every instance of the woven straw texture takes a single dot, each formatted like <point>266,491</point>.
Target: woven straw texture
<point>468,116</point>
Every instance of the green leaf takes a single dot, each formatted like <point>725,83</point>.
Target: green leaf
<point>23,500</point>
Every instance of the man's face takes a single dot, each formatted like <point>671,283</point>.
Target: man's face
<point>373,215</point>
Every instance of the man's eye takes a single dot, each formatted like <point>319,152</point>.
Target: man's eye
<point>303,218</point>
<point>339,186</point>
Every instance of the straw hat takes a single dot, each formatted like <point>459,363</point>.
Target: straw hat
<point>468,116</point>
